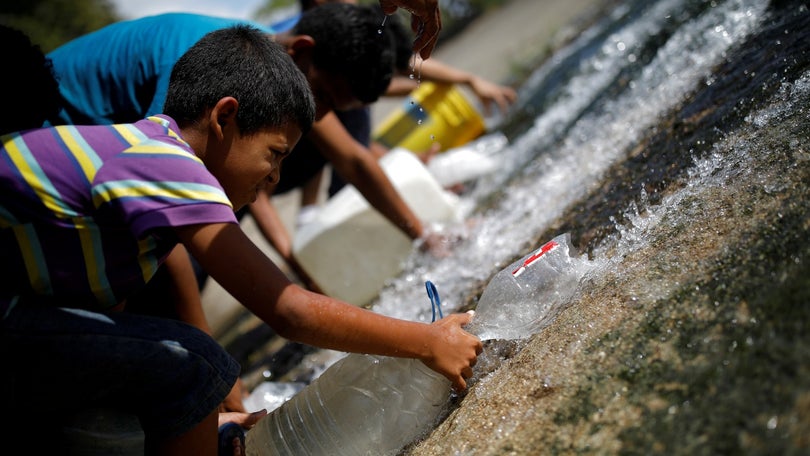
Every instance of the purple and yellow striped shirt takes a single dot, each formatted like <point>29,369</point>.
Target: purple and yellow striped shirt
<point>87,212</point>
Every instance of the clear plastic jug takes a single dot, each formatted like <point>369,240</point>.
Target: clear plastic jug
<point>375,405</point>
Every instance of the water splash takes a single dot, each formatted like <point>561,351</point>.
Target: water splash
<point>596,118</point>
<point>382,25</point>
<point>557,177</point>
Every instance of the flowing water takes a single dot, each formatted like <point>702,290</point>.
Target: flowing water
<point>670,139</point>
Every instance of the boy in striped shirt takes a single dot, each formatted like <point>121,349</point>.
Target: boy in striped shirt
<point>88,213</point>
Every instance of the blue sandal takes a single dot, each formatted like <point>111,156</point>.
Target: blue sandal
<point>226,434</point>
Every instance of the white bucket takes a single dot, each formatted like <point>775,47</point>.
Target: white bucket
<point>350,249</point>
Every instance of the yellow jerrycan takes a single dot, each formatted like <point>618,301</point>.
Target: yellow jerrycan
<point>431,113</point>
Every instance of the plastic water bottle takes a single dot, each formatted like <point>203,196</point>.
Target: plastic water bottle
<point>375,405</point>
<point>525,297</point>
<point>361,405</point>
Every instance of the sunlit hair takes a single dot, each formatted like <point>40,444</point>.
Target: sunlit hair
<point>241,62</point>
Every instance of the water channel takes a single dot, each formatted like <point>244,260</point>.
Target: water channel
<point>670,139</point>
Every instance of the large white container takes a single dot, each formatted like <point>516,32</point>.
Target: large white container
<point>350,249</point>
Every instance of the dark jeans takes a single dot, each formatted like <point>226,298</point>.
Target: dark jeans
<point>60,360</point>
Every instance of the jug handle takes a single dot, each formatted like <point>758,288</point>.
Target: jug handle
<point>435,300</point>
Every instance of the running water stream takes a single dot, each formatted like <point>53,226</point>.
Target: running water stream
<point>670,139</point>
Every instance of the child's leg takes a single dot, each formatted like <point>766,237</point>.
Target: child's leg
<point>170,374</point>
<point>199,440</point>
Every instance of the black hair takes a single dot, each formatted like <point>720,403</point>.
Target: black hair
<point>30,91</point>
<point>350,42</point>
<point>242,62</point>
<point>307,4</point>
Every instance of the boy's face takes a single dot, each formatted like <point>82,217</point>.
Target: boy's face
<point>331,93</point>
<point>254,161</point>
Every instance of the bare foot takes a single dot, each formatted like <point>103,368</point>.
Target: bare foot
<point>231,440</point>
<point>238,446</point>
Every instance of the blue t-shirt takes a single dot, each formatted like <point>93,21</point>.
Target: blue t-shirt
<point>87,213</point>
<point>120,73</point>
<point>286,24</point>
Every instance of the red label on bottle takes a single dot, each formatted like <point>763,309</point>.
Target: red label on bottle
<point>548,247</point>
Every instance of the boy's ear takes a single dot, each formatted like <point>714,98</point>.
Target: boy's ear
<point>223,116</point>
<point>300,45</point>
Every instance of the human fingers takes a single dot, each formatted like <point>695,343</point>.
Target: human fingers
<point>426,21</point>
<point>462,318</point>
<point>388,6</point>
<point>503,103</point>
<point>466,373</point>
<point>427,28</point>
<point>489,92</point>
<point>246,420</point>
<point>459,384</point>
<point>236,444</point>
<point>509,96</point>
<point>436,244</point>
<point>471,340</point>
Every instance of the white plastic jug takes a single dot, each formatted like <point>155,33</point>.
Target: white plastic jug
<point>350,249</point>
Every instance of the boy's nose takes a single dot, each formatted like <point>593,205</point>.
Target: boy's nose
<point>274,176</point>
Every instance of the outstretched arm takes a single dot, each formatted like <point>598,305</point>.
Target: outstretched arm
<point>434,70</point>
<point>358,166</point>
<point>300,315</point>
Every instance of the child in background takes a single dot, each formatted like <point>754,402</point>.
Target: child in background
<point>407,76</point>
<point>350,129</point>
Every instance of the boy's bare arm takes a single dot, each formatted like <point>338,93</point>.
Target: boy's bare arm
<point>297,314</point>
<point>184,289</point>
<point>487,91</point>
<point>358,166</point>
